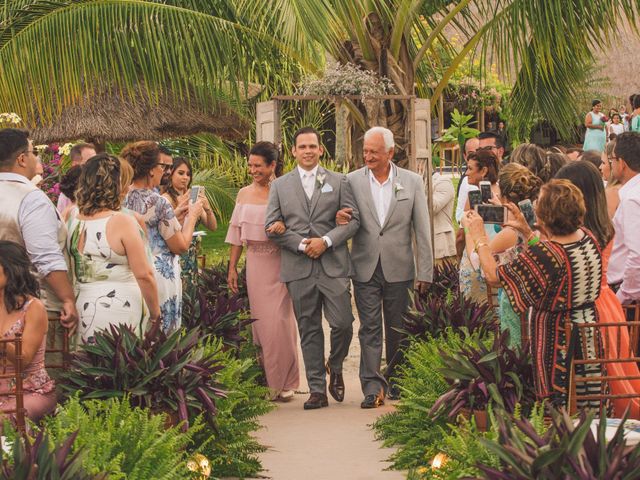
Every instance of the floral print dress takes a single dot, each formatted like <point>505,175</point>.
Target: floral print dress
<point>107,291</point>
<point>162,224</point>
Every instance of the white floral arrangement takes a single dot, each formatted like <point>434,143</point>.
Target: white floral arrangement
<point>347,79</point>
<point>10,118</point>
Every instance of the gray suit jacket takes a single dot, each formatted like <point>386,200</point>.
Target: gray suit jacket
<point>407,217</point>
<point>314,218</point>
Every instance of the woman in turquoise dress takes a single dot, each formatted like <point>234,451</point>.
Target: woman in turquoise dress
<point>596,137</point>
<point>167,238</point>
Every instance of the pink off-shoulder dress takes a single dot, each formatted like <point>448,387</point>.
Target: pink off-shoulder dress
<point>275,327</point>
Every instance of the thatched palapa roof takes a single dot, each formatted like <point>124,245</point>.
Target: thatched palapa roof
<point>109,117</point>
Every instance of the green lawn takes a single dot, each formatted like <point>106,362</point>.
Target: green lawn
<point>213,245</point>
<point>217,251</point>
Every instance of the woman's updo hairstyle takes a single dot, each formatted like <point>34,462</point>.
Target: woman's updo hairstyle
<point>269,152</point>
<point>69,182</point>
<point>486,159</point>
<point>518,183</point>
<point>99,185</point>
<point>142,156</point>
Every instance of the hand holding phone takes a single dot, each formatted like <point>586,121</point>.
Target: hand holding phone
<point>526,207</point>
<point>195,193</point>
<point>492,213</point>
<point>485,190</point>
<point>475,198</point>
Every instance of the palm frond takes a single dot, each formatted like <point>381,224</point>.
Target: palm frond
<point>220,191</point>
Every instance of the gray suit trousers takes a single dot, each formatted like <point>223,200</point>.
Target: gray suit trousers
<point>310,296</point>
<point>373,299</point>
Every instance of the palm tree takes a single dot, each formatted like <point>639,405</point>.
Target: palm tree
<point>54,53</point>
<point>546,46</point>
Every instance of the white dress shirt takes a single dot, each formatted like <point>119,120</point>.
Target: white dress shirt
<point>308,179</point>
<point>38,222</point>
<point>463,194</point>
<point>624,265</point>
<point>381,193</point>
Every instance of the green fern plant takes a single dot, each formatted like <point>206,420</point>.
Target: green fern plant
<point>231,448</point>
<point>127,442</point>
<point>415,434</point>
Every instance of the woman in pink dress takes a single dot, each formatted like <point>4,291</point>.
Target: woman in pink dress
<point>21,311</point>
<point>275,327</point>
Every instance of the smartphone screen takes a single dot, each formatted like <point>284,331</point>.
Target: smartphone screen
<point>526,207</point>
<point>485,189</point>
<point>195,191</point>
<point>491,213</point>
<point>475,198</point>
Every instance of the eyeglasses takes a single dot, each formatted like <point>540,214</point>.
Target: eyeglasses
<point>166,166</point>
<point>487,148</point>
<point>611,158</point>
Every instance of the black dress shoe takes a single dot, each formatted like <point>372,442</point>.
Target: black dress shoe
<point>393,393</point>
<point>316,400</point>
<point>336,385</point>
<point>372,401</point>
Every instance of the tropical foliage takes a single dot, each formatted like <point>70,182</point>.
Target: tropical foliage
<point>204,51</point>
<point>124,441</point>
<point>171,374</point>
<point>40,459</point>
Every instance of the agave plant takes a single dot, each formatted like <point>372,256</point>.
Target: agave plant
<point>41,460</point>
<point>486,374</point>
<point>433,314</point>
<point>215,310</point>
<point>172,374</point>
<point>568,449</point>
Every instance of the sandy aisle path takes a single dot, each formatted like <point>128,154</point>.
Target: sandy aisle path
<point>333,443</point>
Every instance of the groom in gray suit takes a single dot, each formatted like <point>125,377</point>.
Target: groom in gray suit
<point>315,261</point>
<point>393,212</point>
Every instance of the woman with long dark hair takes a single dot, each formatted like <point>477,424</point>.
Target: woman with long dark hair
<point>178,193</point>
<point>587,178</point>
<point>275,327</point>
<point>22,312</point>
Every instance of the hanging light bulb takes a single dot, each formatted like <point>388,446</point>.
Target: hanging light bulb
<point>439,460</point>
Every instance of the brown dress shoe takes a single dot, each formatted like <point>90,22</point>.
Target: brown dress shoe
<point>336,385</point>
<point>316,400</point>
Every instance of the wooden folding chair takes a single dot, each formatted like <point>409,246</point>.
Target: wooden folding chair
<point>13,371</point>
<point>492,300</point>
<point>608,364</point>
<point>57,352</point>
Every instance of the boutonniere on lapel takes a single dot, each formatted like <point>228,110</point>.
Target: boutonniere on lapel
<point>324,187</point>
<point>397,187</point>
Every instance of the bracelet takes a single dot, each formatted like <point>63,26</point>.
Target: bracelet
<point>532,241</point>
<point>480,244</point>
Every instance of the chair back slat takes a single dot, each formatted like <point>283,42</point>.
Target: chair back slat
<point>592,377</point>
<point>16,372</point>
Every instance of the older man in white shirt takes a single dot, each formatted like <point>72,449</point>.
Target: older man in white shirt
<point>28,217</point>
<point>624,265</point>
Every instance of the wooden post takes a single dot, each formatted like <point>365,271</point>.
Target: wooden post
<point>421,142</point>
<point>268,122</point>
